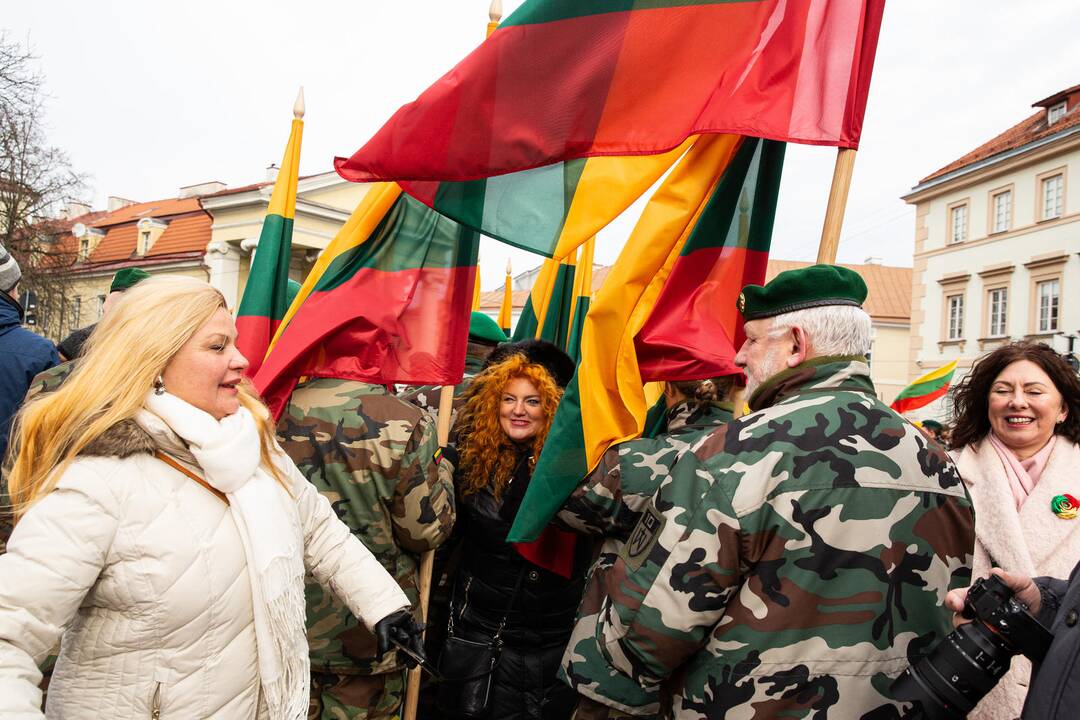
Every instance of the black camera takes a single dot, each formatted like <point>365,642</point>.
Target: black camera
<point>969,661</point>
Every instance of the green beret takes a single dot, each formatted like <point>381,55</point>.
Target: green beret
<point>126,278</point>
<point>809,287</point>
<point>483,329</point>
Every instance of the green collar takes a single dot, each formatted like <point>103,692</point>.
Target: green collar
<point>848,373</point>
<point>694,413</point>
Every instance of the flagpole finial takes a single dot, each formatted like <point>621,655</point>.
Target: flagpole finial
<point>298,106</point>
<point>495,11</point>
<point>508,270</point>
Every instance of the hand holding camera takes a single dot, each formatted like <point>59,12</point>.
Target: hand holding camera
<point>951,679</point>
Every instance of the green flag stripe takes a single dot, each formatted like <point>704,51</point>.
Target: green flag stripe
<point>533,13</point>
<point>421,239</point>
<point>271,265</point>
<point>526,324</point>
<point>925,388</point>
<point>557,321</point>
<point>737,204</point>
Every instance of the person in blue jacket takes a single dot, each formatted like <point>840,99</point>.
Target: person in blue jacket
<point>22,353</point>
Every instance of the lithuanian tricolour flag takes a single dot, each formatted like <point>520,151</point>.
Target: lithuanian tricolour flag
<point>265,302</point>
<point>498,142</point>
<point>704,235</point>
<point>925,390</point>
<point>546,314</point>
<point>582,299</point>
<point>388,301</point>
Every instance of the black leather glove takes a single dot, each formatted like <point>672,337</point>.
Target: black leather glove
<point>401,627</point>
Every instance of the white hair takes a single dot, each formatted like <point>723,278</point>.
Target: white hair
<point>832,329</point>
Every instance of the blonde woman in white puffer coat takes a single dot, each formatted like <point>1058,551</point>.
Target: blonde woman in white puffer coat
<point>163,537</point>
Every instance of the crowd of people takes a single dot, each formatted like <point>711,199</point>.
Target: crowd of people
<point>177,553</point>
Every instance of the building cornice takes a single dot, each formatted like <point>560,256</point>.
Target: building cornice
<point>999,237</point>
<point>995,164</point>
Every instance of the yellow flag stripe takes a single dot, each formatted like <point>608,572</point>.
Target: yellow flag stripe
<point>283,198</point>
<point>939,373</point>
<point>476,289</point>
<point>607,186</point>
<point>613,404</point>
<point>552,273</point>
<point>376,202</point>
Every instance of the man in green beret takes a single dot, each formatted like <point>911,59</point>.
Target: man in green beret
<point>71,347</point>
<point>797,558</point>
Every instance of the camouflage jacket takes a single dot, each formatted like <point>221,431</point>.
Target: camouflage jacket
<point>608,504</point>
<point>426,397</point>
<point>374,458</point>
<point>48,380</point>
<point>795,561</point>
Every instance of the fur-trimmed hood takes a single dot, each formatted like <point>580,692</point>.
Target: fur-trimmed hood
<point>124,439</point>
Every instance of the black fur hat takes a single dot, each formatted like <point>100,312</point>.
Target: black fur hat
<point>555,361</point>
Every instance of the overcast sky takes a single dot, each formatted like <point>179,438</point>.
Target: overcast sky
<point>147,97</point>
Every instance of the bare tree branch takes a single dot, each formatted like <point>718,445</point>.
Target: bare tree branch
<point>36,180</point>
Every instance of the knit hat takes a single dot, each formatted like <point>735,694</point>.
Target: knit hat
<point>10,274</point>
<point>127,278</point>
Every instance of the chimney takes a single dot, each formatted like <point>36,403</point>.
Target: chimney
<point>201,189</point>
<point>115,203</point>
<point>271,172</point>
<point>872,260</point>
<point>74,209</point>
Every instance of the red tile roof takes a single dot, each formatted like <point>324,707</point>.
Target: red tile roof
<point>1029,130</point>
<point>155,209</point>
<point>888,300</point>
<point>889,288</point>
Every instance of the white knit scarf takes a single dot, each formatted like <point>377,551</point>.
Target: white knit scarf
<point>228,454</point>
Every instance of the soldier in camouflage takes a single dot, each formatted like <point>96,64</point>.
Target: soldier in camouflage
<point>484,335</point>
<point>796,559</point>
<point>375,458</point>
<point>608,505</point>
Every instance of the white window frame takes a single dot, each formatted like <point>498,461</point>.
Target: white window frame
<point>954,306</point>
<point>1002,216</point>
<point>1048,313</point>
<point>997,305</point>
<point>1053,203</point>
<point>1056,112</point>
<point>958,231</point>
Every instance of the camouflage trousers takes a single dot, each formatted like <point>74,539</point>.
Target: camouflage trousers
<point>356,697</point>
<point>589,709</point>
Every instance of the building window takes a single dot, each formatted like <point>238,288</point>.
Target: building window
<point>76,311</point>
<point>1053,196</point>
<point>1055,113</point>
<point>955,304</point>
<point>1002,205</point>
<point>959,224</point>
<point>998,304</point>
<point>144,242</point>
<point>100,306</point>
<point>84,248</point>
<point>1048,295</point>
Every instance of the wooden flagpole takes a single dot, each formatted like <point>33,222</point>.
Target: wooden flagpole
<point>834,213</point>
<point>427,560</point>
<point>446,400</point>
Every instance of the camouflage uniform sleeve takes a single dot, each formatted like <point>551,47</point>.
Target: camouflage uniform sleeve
<point>593,506</point>
<point>673,579</point>
<point>423,510</point>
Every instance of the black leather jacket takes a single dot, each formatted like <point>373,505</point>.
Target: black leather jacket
<point>545,603</point>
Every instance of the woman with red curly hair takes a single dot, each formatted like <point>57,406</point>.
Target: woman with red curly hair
<point>525,596</point>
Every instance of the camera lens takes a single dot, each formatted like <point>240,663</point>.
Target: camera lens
<point>949,681</point>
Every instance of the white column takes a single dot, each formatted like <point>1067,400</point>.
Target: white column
<point>223,260</point>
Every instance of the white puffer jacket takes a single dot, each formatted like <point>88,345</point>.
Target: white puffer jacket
<point>141,573</point>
